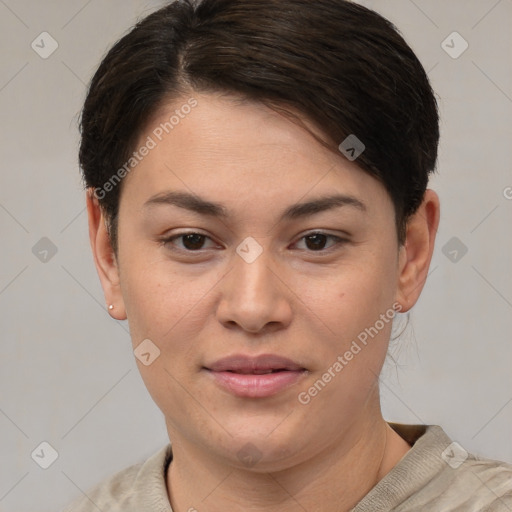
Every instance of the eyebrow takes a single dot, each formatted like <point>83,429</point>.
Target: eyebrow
<point>201,206</point>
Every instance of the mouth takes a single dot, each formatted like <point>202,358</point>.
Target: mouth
<point>255,377</point>
<point>259,372</point>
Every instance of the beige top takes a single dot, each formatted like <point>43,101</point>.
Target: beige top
<point>435,475</point>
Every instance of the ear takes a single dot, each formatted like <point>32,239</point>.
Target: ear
<point>104,257</point>
<point>416,253</point>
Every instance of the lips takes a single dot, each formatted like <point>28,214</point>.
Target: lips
<point>265,363</point>
<point>255,377</point>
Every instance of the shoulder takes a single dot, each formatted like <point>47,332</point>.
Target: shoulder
<point>439,474</point>
<point>483,484</point>
<point>139,487</point>
<point>459,480</point>
<point>114,491</point>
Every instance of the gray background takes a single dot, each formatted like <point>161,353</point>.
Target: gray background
<point>68,375</point>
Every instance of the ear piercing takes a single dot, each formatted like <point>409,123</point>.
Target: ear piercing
<point>111,306</point>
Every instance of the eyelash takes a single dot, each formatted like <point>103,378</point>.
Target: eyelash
<point>339,241</point>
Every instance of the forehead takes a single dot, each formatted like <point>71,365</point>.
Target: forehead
<point>240,153</point>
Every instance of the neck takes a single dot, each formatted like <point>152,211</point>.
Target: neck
<point>334,480</point>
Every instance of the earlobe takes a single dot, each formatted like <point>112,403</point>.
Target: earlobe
<point>104,257</point>
<point>416,254</point>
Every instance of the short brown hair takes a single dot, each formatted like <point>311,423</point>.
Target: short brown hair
<point>340,65</point>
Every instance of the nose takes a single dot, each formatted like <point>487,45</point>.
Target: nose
<point>255,296</point>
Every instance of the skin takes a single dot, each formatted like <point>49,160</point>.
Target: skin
<point>295,301</point>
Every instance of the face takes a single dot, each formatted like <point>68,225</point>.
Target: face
<point>256,274</point>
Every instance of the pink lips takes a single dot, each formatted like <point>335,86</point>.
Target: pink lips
<point>255,377</point>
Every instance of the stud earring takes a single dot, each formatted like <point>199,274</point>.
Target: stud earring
<point>111,306</point>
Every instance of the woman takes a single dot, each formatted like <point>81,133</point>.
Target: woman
<point>256,175</point>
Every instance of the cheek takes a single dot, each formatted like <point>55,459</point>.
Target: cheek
<point>350,304</point>
<point>162,306</point>
<point>158,296</point>
<point>353,295</point>
<point>352,353</point>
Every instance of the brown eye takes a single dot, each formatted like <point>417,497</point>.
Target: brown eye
<point>191,242</point>
<point>316,242</point>
<point>195,242</point>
